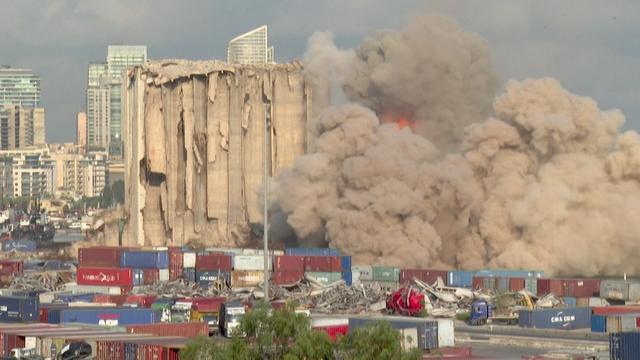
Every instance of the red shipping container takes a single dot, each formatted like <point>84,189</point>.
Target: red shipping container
<point>550,286</point>
<point>150,276</point>
<point>104,276</point>
<point>100,256</point>
<point>142,301</point>
<point>187,329</point>
<point>428,276</point>
<point>286,277</point>
<point>113,299</point>
<point>11,267</point>
<point>109,350</point>
<point>334,331</point>
<point>288,263</point>
<point>322,263</point>
<point>582,287</point>
<point>214,262</point>
<point>614,310</point>
<point>516,284</point>
<point>175,263</point>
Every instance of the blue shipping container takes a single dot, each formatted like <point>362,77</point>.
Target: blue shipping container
<point>312,251</point>
<point>145,259</point>
<point>460,278</point>
<point>189,274</point>
<point>561,318</point>
<point>67,298</point>
<point>18,309</point>
<point>19,245</point>
<point>345,262</point>
<point>204,278</point>
<point>624,346</point>
<point>110,316</point>
<point>598,323</point>
<point>347,276</point>
<point>570,301</point>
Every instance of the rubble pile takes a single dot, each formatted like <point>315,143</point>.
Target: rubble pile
<point>41,281</point>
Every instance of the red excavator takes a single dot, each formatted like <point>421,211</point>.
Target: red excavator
<point>406,301</point>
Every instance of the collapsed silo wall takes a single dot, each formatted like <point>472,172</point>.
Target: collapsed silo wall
<point>194,141</point>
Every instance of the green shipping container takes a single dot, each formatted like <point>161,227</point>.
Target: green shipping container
<point>325,278</point>
<point>386,273</point>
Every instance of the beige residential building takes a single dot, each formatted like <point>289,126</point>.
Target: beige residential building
<point>21,128</point>
<point>77,174</point>
<point>39,131</point>
<point>81,130</point>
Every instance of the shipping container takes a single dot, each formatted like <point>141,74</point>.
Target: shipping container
<point>18,309</point>
<point>260,252</point>
<point>460,278</point>
<point>110,317</point>
<point>312,251</point>
<point>138,277</point>
<point>516,284</point>
<point>622,323</point>
<point>19,245</point>
<point>150,276</point>
<point>186,329</point>
<point>385,273</point>
<point>624,346</point>
<point>509,273</point>
<point>68,298</point>
<point>614,289</point>
<point>288,263</point>
<point>427,329</point>
<point>246,278</point>
<point>334,331</point>
<point>189,260</point>
<point>204,278</point>
<point>189,274</point>
<point>616,310</point>
<point>570,301</point>
<point>347,276</point>
<point>591,302</point>
<point>598,323</point>
<point>214,262</point>
<point>562,318</point>
<point>250,262</point>
<point>362,272</point>
<point>325,278</point>
<point>322,263</point>
<point>141,301</point>
<point>104,276</point>
<point>634,292</point>
<point>11,267</point>
<point>531,285</point>
<point>345,262</point>
<point>145,259</point>
<point>286,277</point>
<point>428,276</point>
<point>446,333</point>
<point>163,275</point>
<point>176,264</point>
<point>101,256</point>
<point>115,299</point>
<point>97,289</point>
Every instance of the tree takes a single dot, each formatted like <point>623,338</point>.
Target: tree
<point>283,334</point>
<point>118,191</point>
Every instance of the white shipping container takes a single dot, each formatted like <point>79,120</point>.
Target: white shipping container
<point>250,262</point>
<point>261,252</point>
<point>246,278</point>
<point>408,338</point>
<point>88,289</point>
<point>446,333</point>
<point>163,275</point>
<point>365,272</point>
<point>634,292</point>
<point>189,260</point>
<point>329,321</point>
<point>234,251</point>
<point>48,297</point>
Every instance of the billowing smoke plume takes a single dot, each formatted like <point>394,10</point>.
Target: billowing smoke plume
<point>431,72</point>
<point>546,182</point>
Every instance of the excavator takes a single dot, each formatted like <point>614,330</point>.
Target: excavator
<point>502,308</point>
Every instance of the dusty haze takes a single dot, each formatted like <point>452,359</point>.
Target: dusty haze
<point>547,181</point>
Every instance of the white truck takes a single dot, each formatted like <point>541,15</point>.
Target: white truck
<point>231,313</point>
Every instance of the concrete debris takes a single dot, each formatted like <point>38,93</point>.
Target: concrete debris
<point>196,134</point>
<point>41,281</point>
<point>550,301</point>
<point>181,288</point>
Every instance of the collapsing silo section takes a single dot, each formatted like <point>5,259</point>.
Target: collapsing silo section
<point>194,134</point>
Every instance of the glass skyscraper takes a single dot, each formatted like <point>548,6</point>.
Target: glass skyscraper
<point>19,87</point>
<point>250,48</point>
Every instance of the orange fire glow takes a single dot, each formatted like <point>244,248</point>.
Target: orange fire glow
<point>401,120</point>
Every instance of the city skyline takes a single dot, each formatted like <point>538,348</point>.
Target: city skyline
<point>592,54</point>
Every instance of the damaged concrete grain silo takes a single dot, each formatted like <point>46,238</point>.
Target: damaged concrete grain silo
<point>194,134</point>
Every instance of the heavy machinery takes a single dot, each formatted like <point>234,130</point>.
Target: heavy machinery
<point>502,308</point>
<point>231,313</point>
<point>407,301</point>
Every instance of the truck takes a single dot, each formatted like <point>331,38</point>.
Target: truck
<point>484,311</point>
<point>207,310</point>
<point>231,313</point>
<point>164,305</point>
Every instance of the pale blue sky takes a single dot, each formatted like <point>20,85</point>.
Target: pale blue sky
<point>592,47</point>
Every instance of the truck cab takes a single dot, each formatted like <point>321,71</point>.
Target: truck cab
<point>181,311</point>
<point>481,312</point>
<point>163,305</point>
<point>231,313</point>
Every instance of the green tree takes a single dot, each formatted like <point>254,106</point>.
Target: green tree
<point>379,341</point>
<point>106,197</point>
<point>118,191</point>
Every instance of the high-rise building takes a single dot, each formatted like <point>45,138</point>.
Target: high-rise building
<point>19,87</point>
<point>98,106</point>
<point>81,130</point>
<point>104,83</point>
<point>31,172</point>
<point>251,48</point>
<point>119,59</point>
<point>21,127</point>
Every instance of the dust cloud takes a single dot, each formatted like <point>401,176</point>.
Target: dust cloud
<point>542,179</point>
